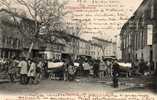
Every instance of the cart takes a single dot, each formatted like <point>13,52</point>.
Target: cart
<point>125,69</point>
<point>55,70</point>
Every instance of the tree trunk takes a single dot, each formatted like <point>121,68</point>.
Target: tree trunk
<point>30,50</point>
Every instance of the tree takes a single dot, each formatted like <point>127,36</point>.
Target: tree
<point>47,15</point>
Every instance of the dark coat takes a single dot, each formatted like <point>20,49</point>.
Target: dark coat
<point>116,70</point>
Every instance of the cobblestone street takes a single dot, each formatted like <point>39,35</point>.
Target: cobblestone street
<point>82,84</point>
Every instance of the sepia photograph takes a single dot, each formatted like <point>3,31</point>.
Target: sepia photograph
<point>78,49</point>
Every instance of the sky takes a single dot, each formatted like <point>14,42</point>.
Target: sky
<point>99,18</point>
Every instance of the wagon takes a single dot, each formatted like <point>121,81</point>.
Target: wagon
<point>125,68</point>
<point>55,70</point>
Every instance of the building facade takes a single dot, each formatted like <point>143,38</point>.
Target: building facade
<point>75,47</point>
<point>104,47</point>
<point>14,43</point>
<point>16,40</point>
<point>84,47</point>
<point>154,18</point>
<point>72,46</point>
<point>95,50</point>
<point>138,34</point>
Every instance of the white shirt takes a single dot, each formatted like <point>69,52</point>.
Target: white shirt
<point>24,67</point>
<point>32,70</point>
<point>86,66</point>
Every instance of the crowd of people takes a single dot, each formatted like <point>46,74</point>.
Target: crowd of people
<point>100,68</point>
<point>26,71</point>
<point>97,68</point>
<point>142,67</point>
<point>31,71</point>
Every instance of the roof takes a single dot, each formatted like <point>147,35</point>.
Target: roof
<point>101,39</point>
<point>84,40</point>
<point>140,9</point>
<point>124,27</point>
<point>15,14</point>
<point>69,36</point>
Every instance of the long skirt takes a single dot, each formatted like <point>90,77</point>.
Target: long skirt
<point>115,81</point>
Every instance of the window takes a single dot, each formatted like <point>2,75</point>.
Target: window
<point>152,11</point>
<point>18,44</point>
<point>137,24</point>
<point>4,40</point>
<point>149,34</point>
<point>12,42</point>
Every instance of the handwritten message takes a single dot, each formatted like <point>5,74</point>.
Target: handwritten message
<point>99,16</point>
<point>83,96</point>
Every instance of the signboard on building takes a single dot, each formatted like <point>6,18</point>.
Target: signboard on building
<point>149,34</point>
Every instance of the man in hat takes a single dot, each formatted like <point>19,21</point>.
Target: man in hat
<point>115,73</point>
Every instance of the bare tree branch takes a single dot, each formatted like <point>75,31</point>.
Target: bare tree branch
<point>44,13</point>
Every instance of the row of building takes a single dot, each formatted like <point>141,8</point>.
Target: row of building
<point>139,34</point>
<point>16,39</point>
<point>79,47</point>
